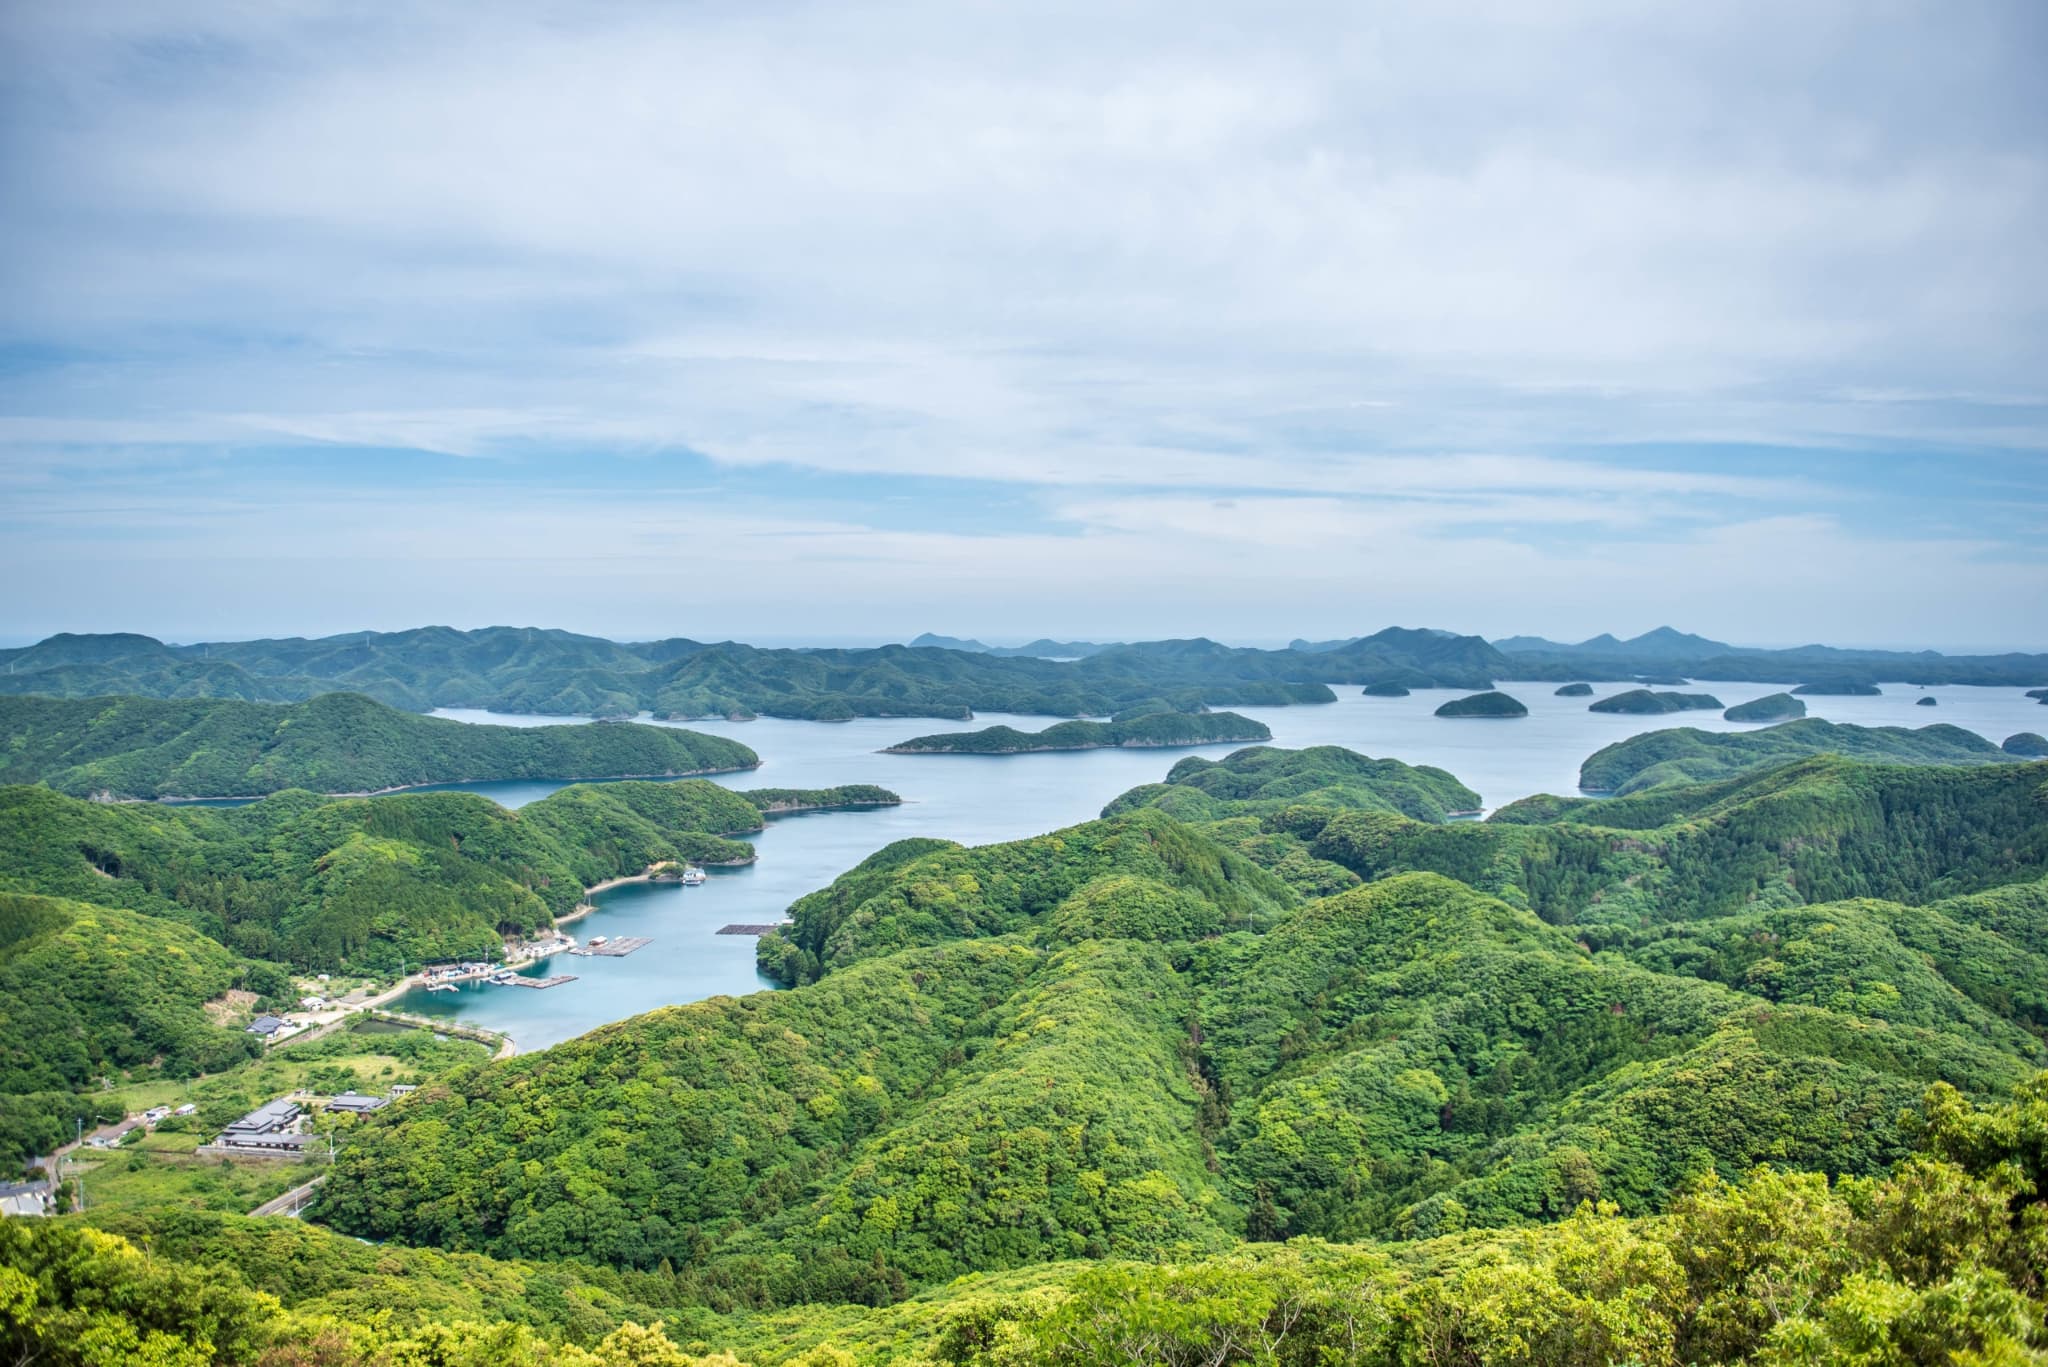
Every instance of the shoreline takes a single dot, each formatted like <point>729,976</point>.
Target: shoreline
<point>648,877</point>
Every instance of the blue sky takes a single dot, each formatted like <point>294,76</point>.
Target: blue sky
<point>803,321</point>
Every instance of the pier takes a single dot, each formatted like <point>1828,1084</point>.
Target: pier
<point>536,984</point>
<point>763,929</point>
<point>615,949</point>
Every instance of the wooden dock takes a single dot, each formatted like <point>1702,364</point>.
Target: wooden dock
<point>615,949</point>
<point>753,929</point>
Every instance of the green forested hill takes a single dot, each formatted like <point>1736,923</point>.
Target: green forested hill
<point>1823,829</point>
<point>1261,780</point>
<point>1054,1101</point>
<point>362,883</point>
<point>923,892</point>
<point>1686,755</point>
<point>88,991</point>
<point>1126,1031</point>
<point>335,743</point>
<point>164,909</point>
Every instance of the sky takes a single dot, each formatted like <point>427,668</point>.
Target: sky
<point>848,321</point>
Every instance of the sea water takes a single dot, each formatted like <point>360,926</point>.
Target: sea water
<point>978,799</point>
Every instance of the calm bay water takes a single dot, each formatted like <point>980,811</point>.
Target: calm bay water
<point>978,799</point>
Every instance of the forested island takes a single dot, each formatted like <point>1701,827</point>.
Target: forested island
<point>846,797</point>
<point>334,743</point>
<point>2027,745</point>
<point>1575,690</point>
<point>1386,690</point>
<point>1484,705</point>
<point>1160,729</point>
<point>1687,755</point>
<point>1770,707</point>
<point>1645,702</point>
<point>1837,689</point>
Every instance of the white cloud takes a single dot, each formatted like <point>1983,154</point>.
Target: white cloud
<point>1367,272</point>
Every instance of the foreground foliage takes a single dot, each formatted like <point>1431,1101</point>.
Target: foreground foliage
<point>1939,1261</point>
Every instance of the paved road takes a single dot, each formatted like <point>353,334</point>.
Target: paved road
<point>292,1201</point>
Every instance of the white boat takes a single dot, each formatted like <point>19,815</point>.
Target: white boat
<point>442,987</point>
<point>692,877</point>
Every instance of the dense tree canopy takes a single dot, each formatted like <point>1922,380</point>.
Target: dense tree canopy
<point>336,743</point>
<point>1128,1032</point>
<point>1686,755</point>
<point>1742,1070</point>
<point>363,883</point>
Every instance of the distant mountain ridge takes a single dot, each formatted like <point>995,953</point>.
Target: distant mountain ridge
<point>563,673</point>
<point>1666,649</point>
<point>1044,648</point>
<point>525,669</point>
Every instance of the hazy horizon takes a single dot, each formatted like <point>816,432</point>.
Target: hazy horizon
<point>774,640</point>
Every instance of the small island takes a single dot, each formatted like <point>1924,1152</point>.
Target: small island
<point>1643,702</point>
<point>1929,701</point>
<point>845,798</point>
<point>1494,704</point>
<point>1770,707</point>
<point>2038,694</point>
<point>1385,690</point>
<point>1154,730</point>
<point>1838,690</point>
<point>2027,745</point>
<point>1575,690</point>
